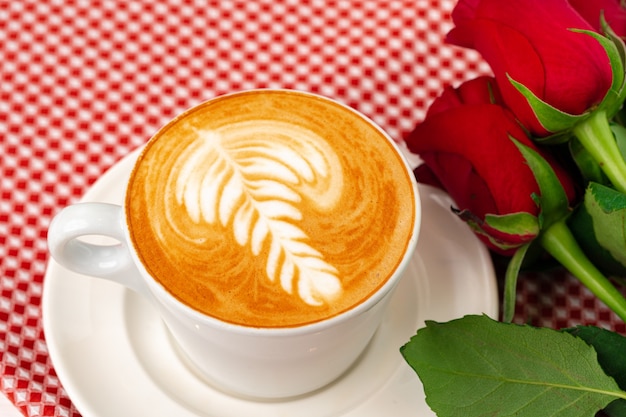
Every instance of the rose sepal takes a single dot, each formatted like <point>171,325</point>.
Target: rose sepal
<point>620,48</point>
<point>552,199</point>
<point>510,282</point>
<point>506,232</point>
<point>616,52</point>
<point>552,119</point>
<point>522,224</point>
<point>557,239</point>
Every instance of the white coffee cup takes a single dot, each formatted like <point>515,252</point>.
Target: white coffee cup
<point>249,361</point>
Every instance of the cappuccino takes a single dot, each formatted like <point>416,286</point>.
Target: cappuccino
<point>270,208</point>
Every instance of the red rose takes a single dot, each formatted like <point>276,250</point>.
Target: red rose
<point>465,142</point>
<point>531,41</point>
<point>481,90</point>
<point>614,13</point>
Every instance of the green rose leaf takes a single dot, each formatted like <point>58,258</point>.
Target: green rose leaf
<point>616,409</point>
<point>599,226</point>
<point>611,349</point>
<point>476,366</point>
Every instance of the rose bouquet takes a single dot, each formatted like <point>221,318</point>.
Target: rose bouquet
<point>534,159</point>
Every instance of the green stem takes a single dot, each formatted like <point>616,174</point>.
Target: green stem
<point>595,134</point>
<point>510,283</point>
<point>560,243</point>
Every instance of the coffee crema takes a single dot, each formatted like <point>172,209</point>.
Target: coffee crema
<point>270,208</point>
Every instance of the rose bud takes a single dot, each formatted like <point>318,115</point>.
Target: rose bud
<point>465,141</point>
<point>532,43</point>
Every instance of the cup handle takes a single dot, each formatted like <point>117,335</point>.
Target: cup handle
<point>109,261</point>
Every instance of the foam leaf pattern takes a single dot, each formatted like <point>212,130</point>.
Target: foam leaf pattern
<point>252,187</point>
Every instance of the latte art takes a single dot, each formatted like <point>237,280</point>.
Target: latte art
<point>270,208</point>
<point>252,185</point>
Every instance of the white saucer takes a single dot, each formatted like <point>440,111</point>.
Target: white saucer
<point>114,357</point>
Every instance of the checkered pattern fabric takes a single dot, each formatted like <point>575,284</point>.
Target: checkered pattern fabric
<point>82,83</point>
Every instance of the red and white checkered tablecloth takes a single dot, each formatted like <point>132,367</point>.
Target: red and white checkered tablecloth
<point>82,83</point>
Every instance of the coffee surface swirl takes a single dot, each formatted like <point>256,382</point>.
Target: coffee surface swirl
<point>270,208</point>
